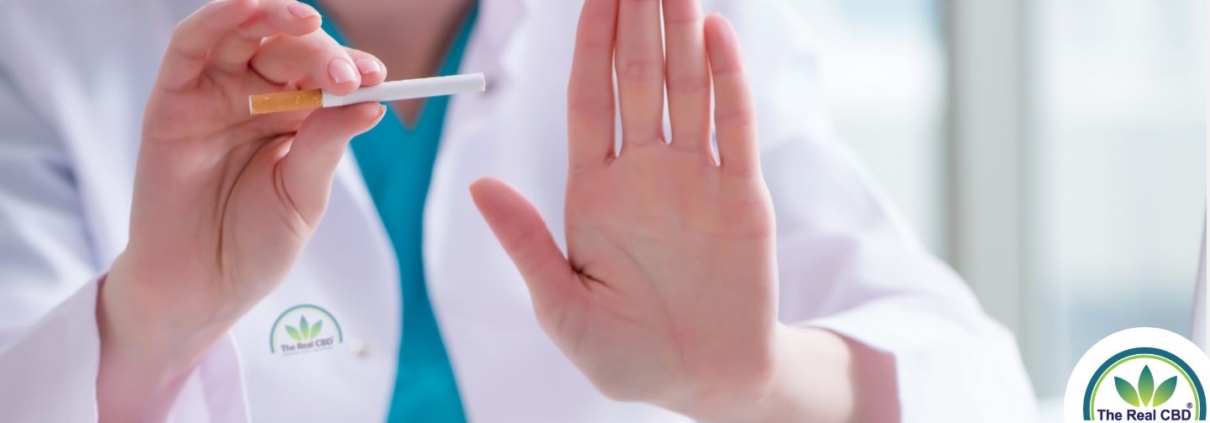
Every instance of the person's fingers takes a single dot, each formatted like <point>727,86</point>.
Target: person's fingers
<point>735,109</point>
<point>271,18</point>
<point>194,38</point>
<point>372,71</point>
<point>688,76</point>
<point>640,68</point>
<point>590,99</point>
<point>316,56</point>
<point>319,145</point>
<point>553,284</point>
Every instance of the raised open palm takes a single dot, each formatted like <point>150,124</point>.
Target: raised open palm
<point>668,292</point>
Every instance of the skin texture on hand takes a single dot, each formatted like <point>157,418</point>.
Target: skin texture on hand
<point>668,293</point>
<point>224,202</point>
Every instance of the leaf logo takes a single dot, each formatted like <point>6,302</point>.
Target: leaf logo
<point>304,331</point>
<point>1147,394</point>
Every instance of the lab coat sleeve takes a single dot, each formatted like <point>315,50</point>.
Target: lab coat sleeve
<point>846,261</point>
<point>49,343</point>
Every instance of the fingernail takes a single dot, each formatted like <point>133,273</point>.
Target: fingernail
<point>368,65</point>
<point>341,71</point>
<point>382,112</point>
<point>301,10</point>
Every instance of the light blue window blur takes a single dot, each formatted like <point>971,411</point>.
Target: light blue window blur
<point>1104,106</point>
<point>1120,160</point>
<point>884,71</point>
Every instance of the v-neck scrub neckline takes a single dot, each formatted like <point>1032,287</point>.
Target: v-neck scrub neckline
<point>397,164</point>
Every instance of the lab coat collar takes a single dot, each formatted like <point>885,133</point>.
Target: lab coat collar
<point>497,26</point>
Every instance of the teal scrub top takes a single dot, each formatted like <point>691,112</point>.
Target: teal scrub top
<point>397,164</point>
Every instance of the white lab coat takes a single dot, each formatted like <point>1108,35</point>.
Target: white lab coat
<point>74,78</point>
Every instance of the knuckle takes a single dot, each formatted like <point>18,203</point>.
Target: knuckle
<point>181,28</point>
<point>738,117</point>
<point>642,70</point>
<point>692,18</point>
<point>369,112</point>
<point>208,18</point>
<point>727,75</point>
<point>688,84</point>
<point>181,33</point>
<point>615,390</point>
<point>644,137</point>
<point>314,49</point>
<point>590,105</point>
<point>594,43</point>
<point>740,169</point>
<point>271,46</point>
<point>689,137</point>
<point>253,34</point>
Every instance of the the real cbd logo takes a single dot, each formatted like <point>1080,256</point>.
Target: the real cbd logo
<point>305,332</point>
<point>1146,399</point>
<point>1139,374</point>
<point>1146,395</point>
<point>304,329</point>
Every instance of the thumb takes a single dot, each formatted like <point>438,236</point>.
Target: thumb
<point>553,284</point>
<point>316,151</point>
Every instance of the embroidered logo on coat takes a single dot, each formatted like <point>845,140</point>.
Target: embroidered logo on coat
<point>304,329</point>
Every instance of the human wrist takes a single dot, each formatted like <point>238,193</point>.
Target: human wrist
<point>146,355</point>
<point>140,323</point>
<point>721,395</point>
<point>807,380</point>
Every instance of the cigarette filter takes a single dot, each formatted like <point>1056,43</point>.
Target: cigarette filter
<point>388,91</point>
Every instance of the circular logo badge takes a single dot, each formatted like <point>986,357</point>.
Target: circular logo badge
<point>304,329</point>
<point>1141,374</point>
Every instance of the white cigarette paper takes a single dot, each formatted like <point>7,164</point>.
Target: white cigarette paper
<point>387,91</point>
<point>409,89</point>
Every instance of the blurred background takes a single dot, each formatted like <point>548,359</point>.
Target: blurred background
<point>1052,151</point>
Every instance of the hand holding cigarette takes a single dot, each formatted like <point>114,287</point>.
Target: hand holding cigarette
<point>388,91</point>
<point>224,200</point>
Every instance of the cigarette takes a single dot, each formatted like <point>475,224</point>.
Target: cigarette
<point>388,91</point>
